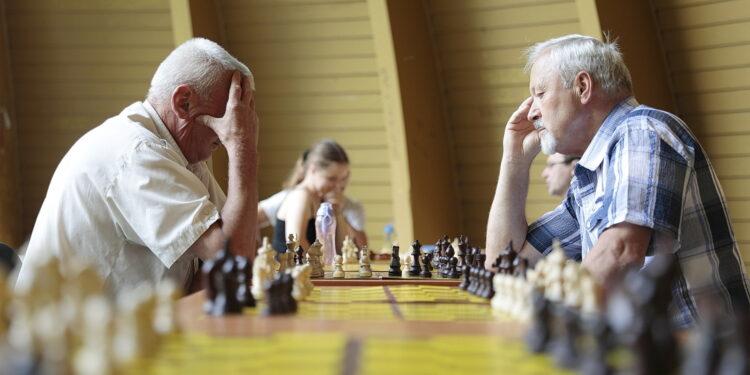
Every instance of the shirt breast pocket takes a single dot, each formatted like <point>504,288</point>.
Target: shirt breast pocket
<point>597,218</point>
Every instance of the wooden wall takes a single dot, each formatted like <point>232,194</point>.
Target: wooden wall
<point>707,46</point>
<point>316,77</point>
<point>74,64</point>
<point>479,45</point>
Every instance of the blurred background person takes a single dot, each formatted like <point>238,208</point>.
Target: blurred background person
<point>558,173</point>
<point>321,174</point>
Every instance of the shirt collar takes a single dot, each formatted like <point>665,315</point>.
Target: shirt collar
<point>599,146</point>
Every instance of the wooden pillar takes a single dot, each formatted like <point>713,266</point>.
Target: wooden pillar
<point>632,23</point>
<point>425,189</point>
<point>193,19</point>
<point>11,223</point>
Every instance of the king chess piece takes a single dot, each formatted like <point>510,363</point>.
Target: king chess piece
<point>416,253</point>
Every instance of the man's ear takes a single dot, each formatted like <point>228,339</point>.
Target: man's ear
<point>183,99</point>
<point>584,85</point>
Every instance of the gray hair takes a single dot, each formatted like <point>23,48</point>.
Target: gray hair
<point>575,53</point>
<point>198,63</point>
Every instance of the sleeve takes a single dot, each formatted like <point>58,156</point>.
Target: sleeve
<point>272,204</point>
<point>354,213</point>
<point>158,203</point>
<point>561,224</point>
<point>648,180</point>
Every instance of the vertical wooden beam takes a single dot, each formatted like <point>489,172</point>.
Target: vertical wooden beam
<point>11,224</point>
<point>394,120</point>
<point>193,19</point>
<point>632,23</point>
<point>422,148</point>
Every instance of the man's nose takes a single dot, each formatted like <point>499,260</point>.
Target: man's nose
<point>534,113</point>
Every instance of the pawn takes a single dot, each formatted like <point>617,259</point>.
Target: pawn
<point>364,263</point>
<point>453,268</point>
<point>338,268</point>
<point>406,266</point>
<point>467,277</point>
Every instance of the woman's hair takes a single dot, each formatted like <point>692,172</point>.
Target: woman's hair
<point>322,154</point>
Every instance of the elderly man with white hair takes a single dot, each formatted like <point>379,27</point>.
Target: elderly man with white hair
<point>134,196</point>
<point>643,184</point>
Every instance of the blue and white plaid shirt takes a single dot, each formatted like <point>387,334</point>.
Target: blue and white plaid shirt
<point>645,167</point>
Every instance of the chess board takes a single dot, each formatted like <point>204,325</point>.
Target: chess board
<point>380,272</point>
<point>387,329</point>
<point>400,302</point>
<point>339,353</point>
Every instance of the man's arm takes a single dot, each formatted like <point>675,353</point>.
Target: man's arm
<point>620,246</point>
<point>507,221</point>
<point>238,131</point>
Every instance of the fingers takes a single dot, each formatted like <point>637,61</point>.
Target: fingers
<point>235,89</point>
<point>522,112</point>
<point>247,90</point>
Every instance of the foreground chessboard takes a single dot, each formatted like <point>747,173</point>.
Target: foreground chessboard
<point>415,329</point>
<point>338,353</point>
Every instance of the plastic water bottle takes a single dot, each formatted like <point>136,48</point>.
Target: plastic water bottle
<point>325,229</point>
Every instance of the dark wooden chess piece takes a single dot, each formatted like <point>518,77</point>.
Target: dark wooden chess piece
<point>426,269</point>
<point>244,276</point>
<point>226,301</point>
<point>395,268</point>
<point>415,269</point>
<point>279,294</point>
<point>594,361</point>
<point>564,346</point>
<point>466,272</point>
<point>453,268</point>
<point>211,270</point>
<point>473,280</point>
<point>538,336</point>
<point>520,265</point>
<point>299,256</point>
<point>463,246</point>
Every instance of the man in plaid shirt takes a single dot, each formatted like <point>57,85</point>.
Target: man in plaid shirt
<point>643,183</point>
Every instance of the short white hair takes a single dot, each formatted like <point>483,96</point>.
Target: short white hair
<point>198,63</point>
<point>575,53</point>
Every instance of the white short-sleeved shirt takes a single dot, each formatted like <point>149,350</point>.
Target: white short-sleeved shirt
<point>125,199</point>
<point>353,211</point>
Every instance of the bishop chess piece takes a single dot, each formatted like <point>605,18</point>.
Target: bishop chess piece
<point>395,268</point>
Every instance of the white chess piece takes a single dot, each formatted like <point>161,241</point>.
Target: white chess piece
<point>314,255</point>
<point>406,264</point>
<point>338,269</point>
<point>364,263</point>
<point>95,354</point>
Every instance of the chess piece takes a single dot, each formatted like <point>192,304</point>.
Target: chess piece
<point>262,272</point>
<point>364,263</point>
<point>291,243</point>
<point>407,265</point>
<point>302,285</point>
<point>395,267</point>
<point>466,270</point>
<point>426,267</point>
<point>279,291</point>
<point>244,276</point>
<point>95,355</point>
<point>314,255</point>
<point>338,270</point>
<point>349,251</point>
<point>538,336</point>
<point>416,253</point>
<point>453,268</point>
<point>134,332</point>
<point>165,314</point>
<point>299,256</point>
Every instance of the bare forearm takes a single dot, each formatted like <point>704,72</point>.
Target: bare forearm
<point>618,247</point>
<point>507,221</point>
<point>239,214</point>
